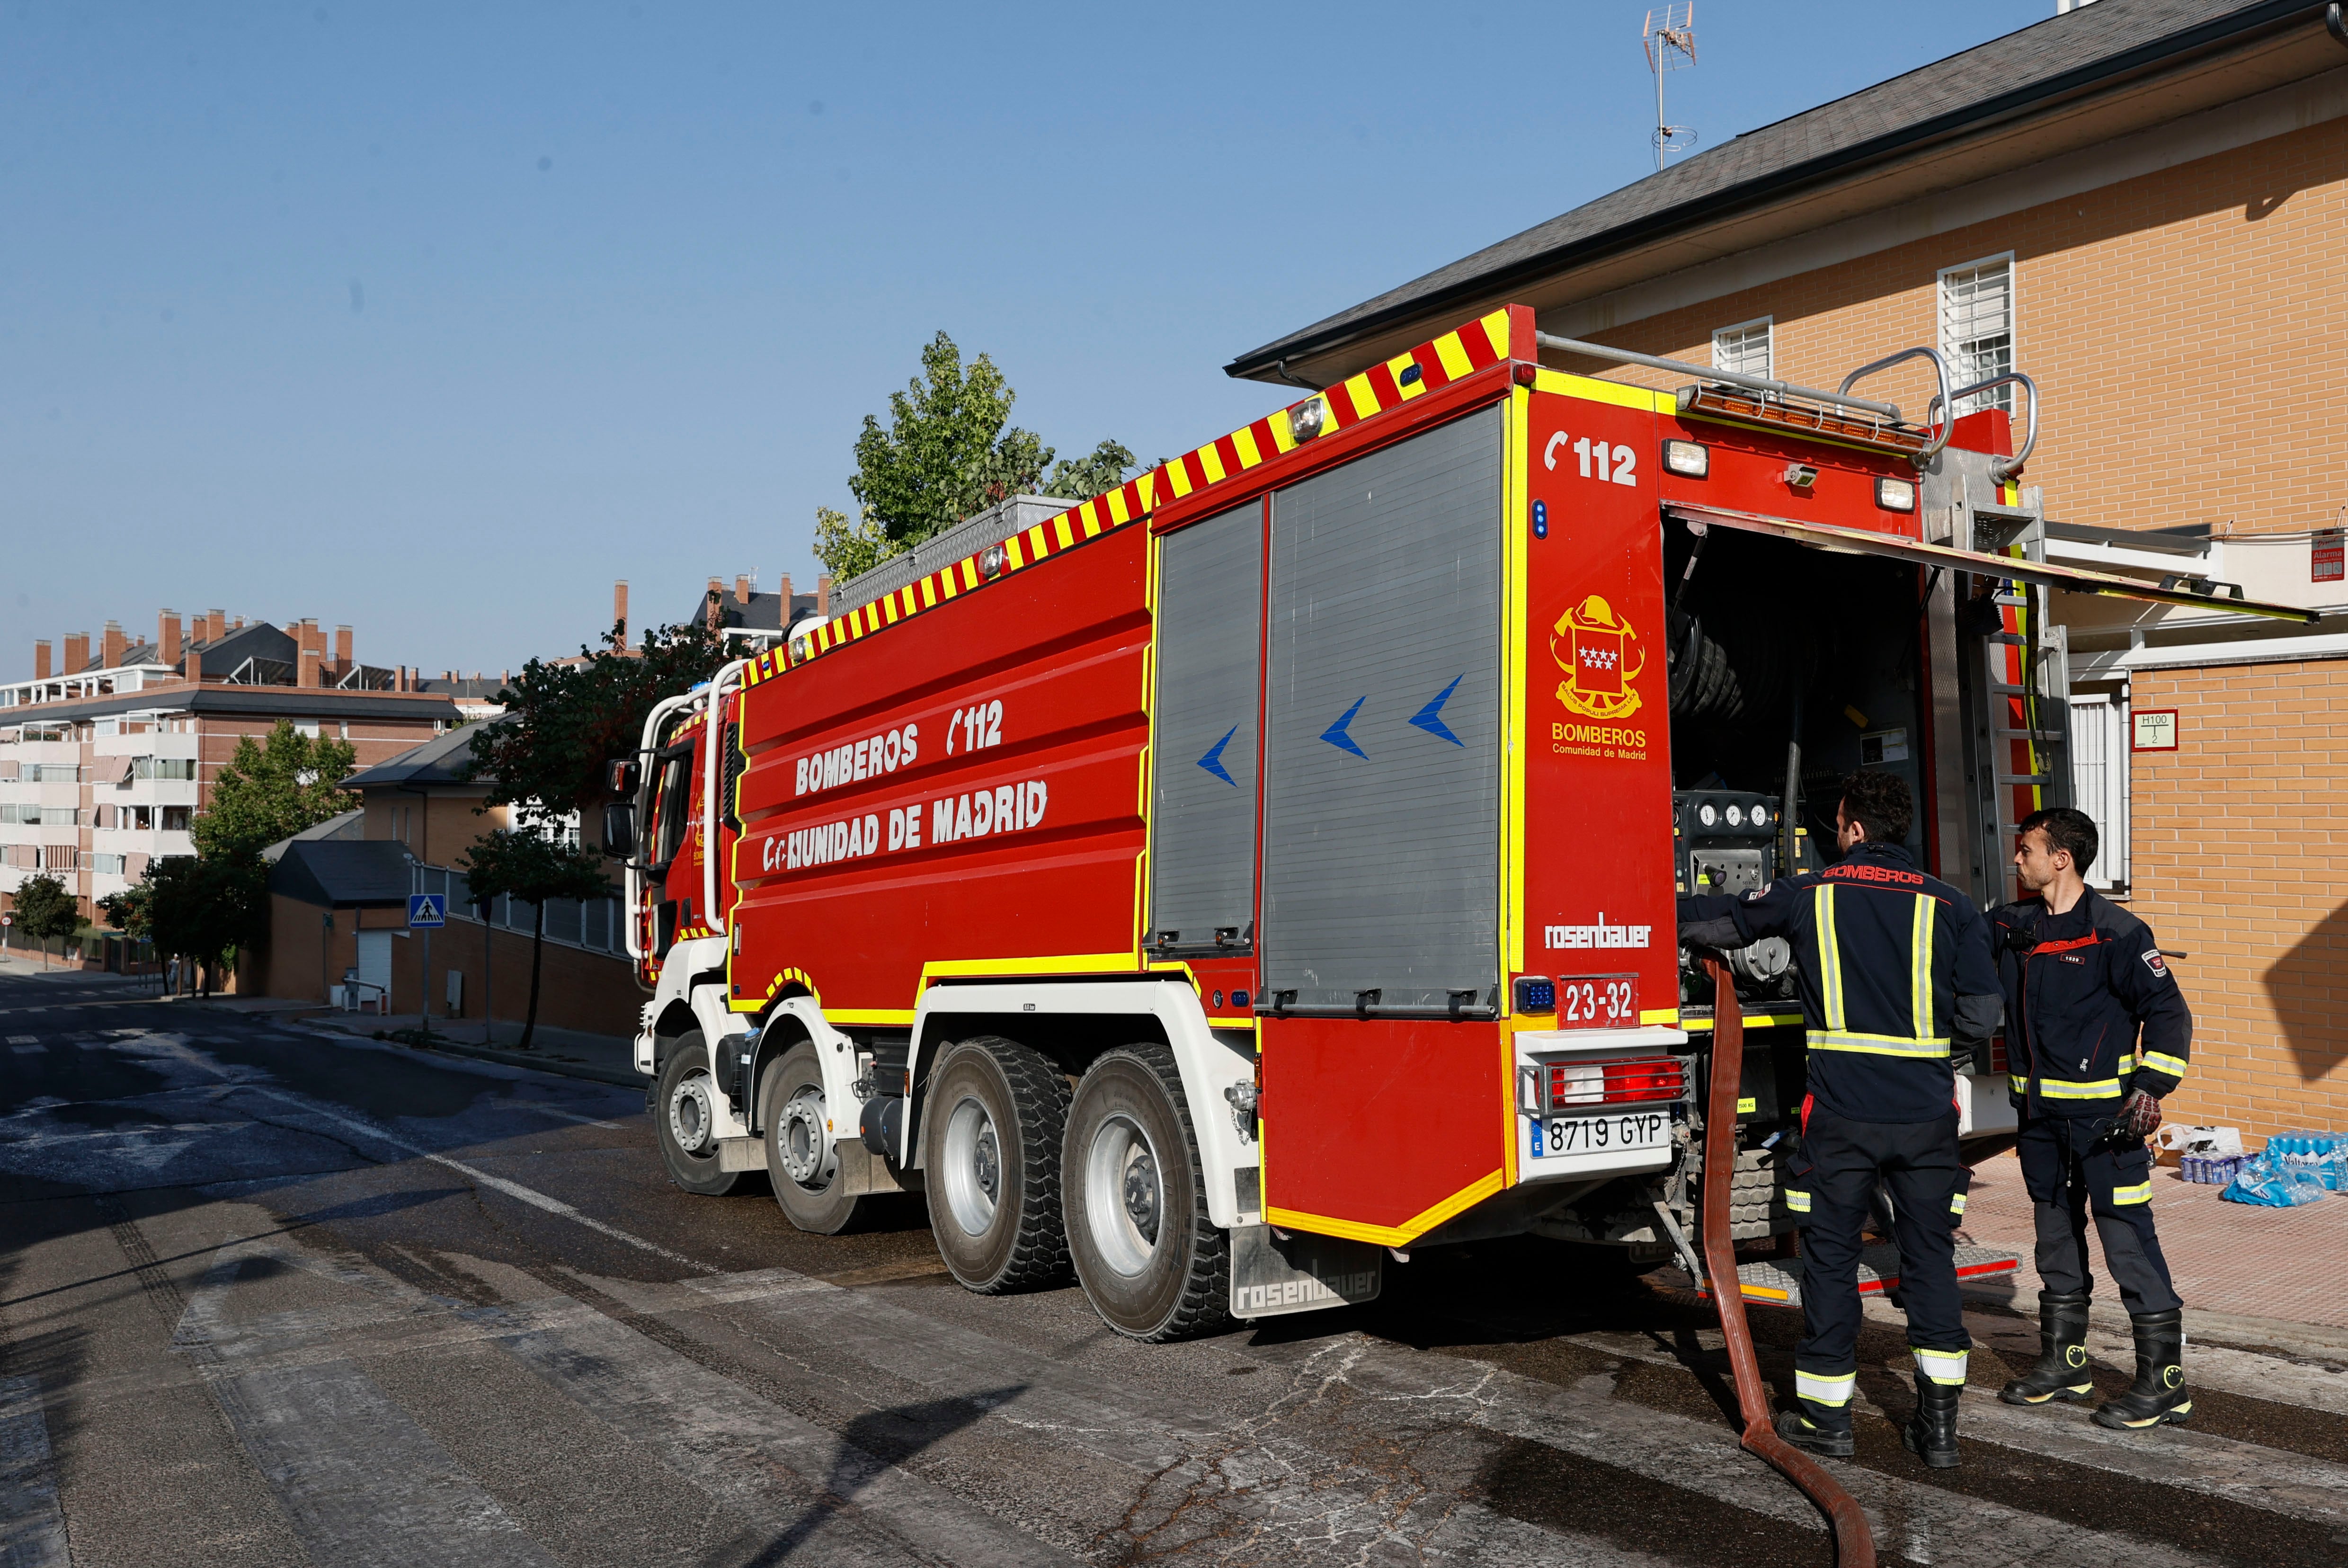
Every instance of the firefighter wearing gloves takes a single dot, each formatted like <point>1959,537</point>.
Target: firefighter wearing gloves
<point>1895,966</point>
<point>2097,1036</point>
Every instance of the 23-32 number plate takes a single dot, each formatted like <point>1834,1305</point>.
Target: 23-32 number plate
<point>1598,1002</point>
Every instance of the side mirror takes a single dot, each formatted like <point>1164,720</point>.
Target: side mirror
<point>619,777</point>
<point>620,829</point>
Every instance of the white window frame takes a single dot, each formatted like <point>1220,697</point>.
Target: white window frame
<point>1768,324</point>
<point>2099,781</point>
<point>1963,370</point>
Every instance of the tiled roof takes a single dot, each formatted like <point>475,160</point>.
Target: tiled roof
<point>1996,79</point>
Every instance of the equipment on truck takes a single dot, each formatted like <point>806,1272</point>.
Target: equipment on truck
<point>1219,887</point>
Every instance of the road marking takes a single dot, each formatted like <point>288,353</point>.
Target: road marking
<point>32,1526</point>
<point>515,1190</point>
<point>511,1189</point>
<point>32,1040</point>
<point>551,1110</point>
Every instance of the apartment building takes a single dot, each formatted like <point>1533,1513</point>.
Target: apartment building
<point>108,755</point>
<point>2143,205</point>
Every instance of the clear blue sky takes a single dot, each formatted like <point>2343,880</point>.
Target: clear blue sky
<point>436,319</point>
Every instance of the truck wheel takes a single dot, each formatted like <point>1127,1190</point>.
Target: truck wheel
<point>802,1161</point>
<point>1153,1264</point>
<point>991,1131</point>
<point>684,1115</point>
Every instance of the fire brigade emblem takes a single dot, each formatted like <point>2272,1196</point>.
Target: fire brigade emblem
<point>1600,656</point>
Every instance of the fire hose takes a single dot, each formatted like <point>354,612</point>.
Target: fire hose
<point>1854,1544</point>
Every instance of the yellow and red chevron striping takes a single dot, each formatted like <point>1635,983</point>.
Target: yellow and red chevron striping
<point>1480,343</point>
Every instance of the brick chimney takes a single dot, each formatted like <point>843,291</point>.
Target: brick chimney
<point>713,606</point>
<point>307,670</point>
<point>41,666</point>
<point>343,649</point>
<point>823,594</point>
<point>215,625</point>
<point>787,598</point>
<point>166,636</point>
<point>619,609</point>
<point>76,653</point>
<point>111,645</point>
<point>741,589</point>
<point>195,671</point>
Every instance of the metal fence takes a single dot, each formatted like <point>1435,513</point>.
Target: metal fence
<point>593,923</point>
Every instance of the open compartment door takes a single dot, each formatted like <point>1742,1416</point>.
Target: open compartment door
<point>2040,574</point>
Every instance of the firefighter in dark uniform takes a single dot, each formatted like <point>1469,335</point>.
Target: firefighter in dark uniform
<point>2096,1034</point>
<point>1895,966</point>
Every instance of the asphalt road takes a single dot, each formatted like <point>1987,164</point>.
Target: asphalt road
<point>268,1296</point>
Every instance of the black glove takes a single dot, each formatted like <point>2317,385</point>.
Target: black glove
<point>2139,1115</point>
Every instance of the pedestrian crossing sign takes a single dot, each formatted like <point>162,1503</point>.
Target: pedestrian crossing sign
<point>425,910</point>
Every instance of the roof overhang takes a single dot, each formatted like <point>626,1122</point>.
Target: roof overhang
<point>2244,52</point>
<point>1916,551</point>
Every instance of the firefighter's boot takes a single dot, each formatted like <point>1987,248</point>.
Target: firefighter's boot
<point>2061,1369</point>
<point>1820,1428</point>
<point>2158,1393</point>
<point>1931,1432</point>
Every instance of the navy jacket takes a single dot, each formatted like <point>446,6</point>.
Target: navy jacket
<point>2091,1009</point>
<point>1895,966</point>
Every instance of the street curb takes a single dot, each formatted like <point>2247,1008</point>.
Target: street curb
<point>624,1078</point>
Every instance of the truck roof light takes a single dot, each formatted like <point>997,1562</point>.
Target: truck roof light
<point>1692,458</point>
<point>1304,419</point>
<point>991,562</point>
<point>1895,495</point>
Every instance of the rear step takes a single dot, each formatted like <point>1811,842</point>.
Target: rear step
<point>1778,1282</point>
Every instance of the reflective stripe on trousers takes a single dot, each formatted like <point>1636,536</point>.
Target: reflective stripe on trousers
<point>1824,1391</point>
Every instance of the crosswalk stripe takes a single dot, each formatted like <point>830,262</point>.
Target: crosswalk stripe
<point>32,1526</point>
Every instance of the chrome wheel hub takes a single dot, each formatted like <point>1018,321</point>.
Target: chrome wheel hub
<point>973,1167</point>
<point>693,1115</point>
<point>809,1157</point>
<point>1124,1195</point>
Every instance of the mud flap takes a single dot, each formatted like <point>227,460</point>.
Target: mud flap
<point>862,1172</point>
<point>1302,1272</point>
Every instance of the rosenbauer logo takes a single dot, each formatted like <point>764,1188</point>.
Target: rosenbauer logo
<point>1602,656</point>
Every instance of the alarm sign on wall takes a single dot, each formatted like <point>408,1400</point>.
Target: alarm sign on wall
<point>2152,729</point>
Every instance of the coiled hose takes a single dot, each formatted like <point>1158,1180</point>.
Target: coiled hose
<point>1854,1544</point>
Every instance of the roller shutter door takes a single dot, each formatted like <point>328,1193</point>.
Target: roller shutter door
<point>1382,745</point>
<point>1203,778</point>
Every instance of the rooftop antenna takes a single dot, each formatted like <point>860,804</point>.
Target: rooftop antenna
<point>1669,40</point>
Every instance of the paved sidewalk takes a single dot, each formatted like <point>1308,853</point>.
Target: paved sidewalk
<point>2285,1266</point>
<point>573,1053</point>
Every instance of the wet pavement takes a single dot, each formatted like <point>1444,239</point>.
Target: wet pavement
<point>268,1296</point>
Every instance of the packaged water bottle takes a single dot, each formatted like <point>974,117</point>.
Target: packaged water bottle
<point>2190,1167</point>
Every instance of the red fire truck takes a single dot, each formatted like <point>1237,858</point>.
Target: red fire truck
<point>1223,886</point>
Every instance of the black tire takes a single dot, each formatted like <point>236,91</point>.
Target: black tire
<point>680,1119</point>
<point>991,1127</point>
<point>807,1191</point>
<point>1152,1263</point>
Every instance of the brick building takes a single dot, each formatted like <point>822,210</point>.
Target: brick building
<point>2144,205</point>
<point>339,906</point>
<point>108,755</point>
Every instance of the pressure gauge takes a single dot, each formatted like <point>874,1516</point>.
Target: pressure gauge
<point>1707,814</point>
<point>1736,816</point>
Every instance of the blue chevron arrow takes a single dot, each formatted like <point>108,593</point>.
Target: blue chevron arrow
<point>1335,734</point>
<point>1430,717</point>
<point>1213,762</point>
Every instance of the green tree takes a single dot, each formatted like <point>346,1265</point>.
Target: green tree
<point>46,909</point>
<point>197,909</point>
<point>545,754</point>
<point>273,790</point>
<point>532,864</point>
<point>949,451</point>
